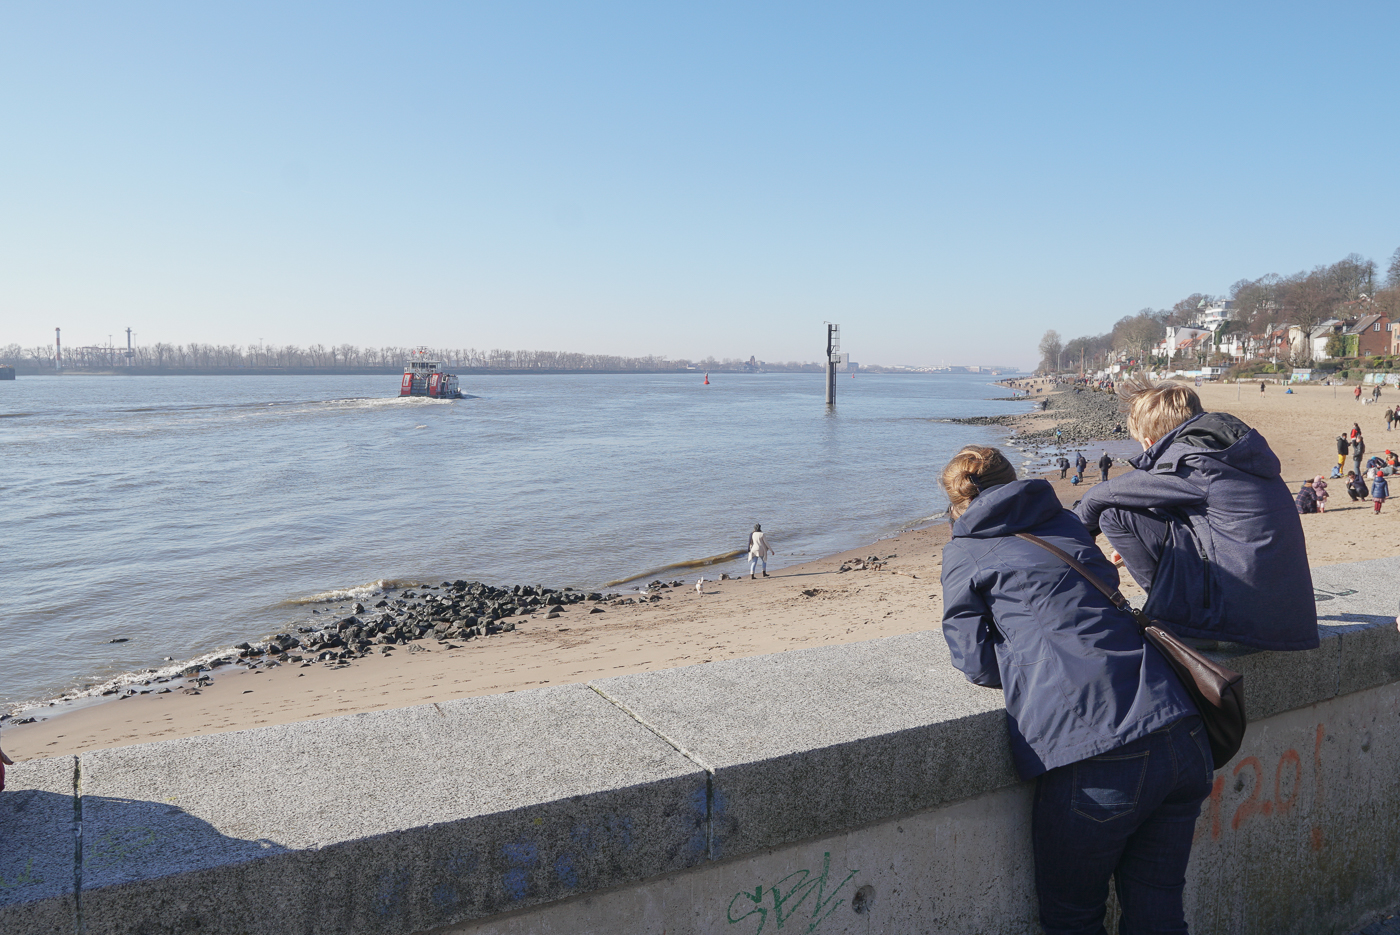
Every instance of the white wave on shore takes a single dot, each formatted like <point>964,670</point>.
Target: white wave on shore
<point>358,592</point>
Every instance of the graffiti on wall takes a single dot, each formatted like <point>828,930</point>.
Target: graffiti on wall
<point>798,899</point>
<point>1266,791</point>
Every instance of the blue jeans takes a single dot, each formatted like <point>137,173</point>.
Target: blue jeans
<point>753,563</point>
<point>1129,813</point>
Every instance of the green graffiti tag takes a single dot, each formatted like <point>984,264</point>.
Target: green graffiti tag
<point>114,847</point>
<point>26,877</point>
<point>786,897</point>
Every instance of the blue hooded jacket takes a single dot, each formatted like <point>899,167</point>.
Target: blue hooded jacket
<point>1235,565</point>
<point>1078,677</point>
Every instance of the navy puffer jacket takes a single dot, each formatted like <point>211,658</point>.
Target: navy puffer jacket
<point>1078,678</point>
<point>1235,566</point>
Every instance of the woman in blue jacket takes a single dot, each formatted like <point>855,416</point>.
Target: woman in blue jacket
<point>1094,714</point>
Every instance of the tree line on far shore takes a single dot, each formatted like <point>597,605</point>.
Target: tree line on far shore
<point>1348,288</point>
<point>346,358</point>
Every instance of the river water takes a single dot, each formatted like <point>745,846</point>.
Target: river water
<point>184,514</point>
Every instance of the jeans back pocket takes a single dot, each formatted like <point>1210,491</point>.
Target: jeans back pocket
<point>1107,786</point>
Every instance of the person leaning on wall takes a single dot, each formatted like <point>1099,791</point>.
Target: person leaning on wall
<point>1206,524</point>
<point>1095,716</point>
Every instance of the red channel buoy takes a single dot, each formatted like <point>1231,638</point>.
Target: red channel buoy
<point>707,379</point>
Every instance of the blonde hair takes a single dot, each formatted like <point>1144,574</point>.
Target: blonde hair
<point>971,471</point>
<point>1156,409</point>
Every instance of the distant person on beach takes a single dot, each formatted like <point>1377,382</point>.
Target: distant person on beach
<point>759,551</point>
<point>1206,524</point>
<point>1358,393</point>
<point>1389,418</point>
<point>1356,487</point>
<point>1319,487</point>
<point>1305,499</point>
<point>1063,465</point>
<point>1105,463</point>
<point>1380,492</point>
<point>1342,449</point>
<point>1098,720</point>
<point>1358,449</point>
<point>1081,464</point>
<point>1261,386</point>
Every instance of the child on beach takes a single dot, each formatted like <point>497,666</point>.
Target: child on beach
<point>1207,525</point>
<point>1380,490</point>
<point>1319,487</point>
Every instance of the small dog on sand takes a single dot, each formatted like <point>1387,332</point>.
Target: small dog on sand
<point>700,586</point>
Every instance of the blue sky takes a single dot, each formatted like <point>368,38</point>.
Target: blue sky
<point>946,181</point>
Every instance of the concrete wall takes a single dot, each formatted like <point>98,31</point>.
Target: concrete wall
<point>862,788</point>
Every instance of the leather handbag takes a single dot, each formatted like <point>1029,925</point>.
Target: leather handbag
<point>1217,691</point>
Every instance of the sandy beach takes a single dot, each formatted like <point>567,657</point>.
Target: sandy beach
<point>801,606</point>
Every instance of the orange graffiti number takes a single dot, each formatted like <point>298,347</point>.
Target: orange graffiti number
<point>1286,805</point>
<point>1250,805</point>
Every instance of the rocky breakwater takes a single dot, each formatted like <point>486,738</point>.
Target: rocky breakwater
<point>1081,415</point>
<point>454,610</point>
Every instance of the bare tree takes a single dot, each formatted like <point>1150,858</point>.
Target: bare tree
<point>1050,350</point>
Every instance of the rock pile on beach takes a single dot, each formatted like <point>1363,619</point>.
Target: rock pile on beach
<point>454,610</point>
<point>1082,415</point>
<point>653,592</point>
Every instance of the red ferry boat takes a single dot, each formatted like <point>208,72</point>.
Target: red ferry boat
<point>424,377</point>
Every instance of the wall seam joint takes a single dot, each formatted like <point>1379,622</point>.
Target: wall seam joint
<point>679,748</point>
<point>669,741</point>
<point>78,926</point>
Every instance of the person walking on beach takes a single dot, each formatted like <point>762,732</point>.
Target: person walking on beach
<point>759,551</point>
<point>1342,449</point>
<point>1105,463</point>
<point>1261,386</point>
<point>1100,722</point>
<point>1389,418</point>
<point>1081,464</point>
<point>1206,524</point>
<point>1358,392</point>
<point>1063,466</point>
<point>1358,449</point>
<point>1380,491</point>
